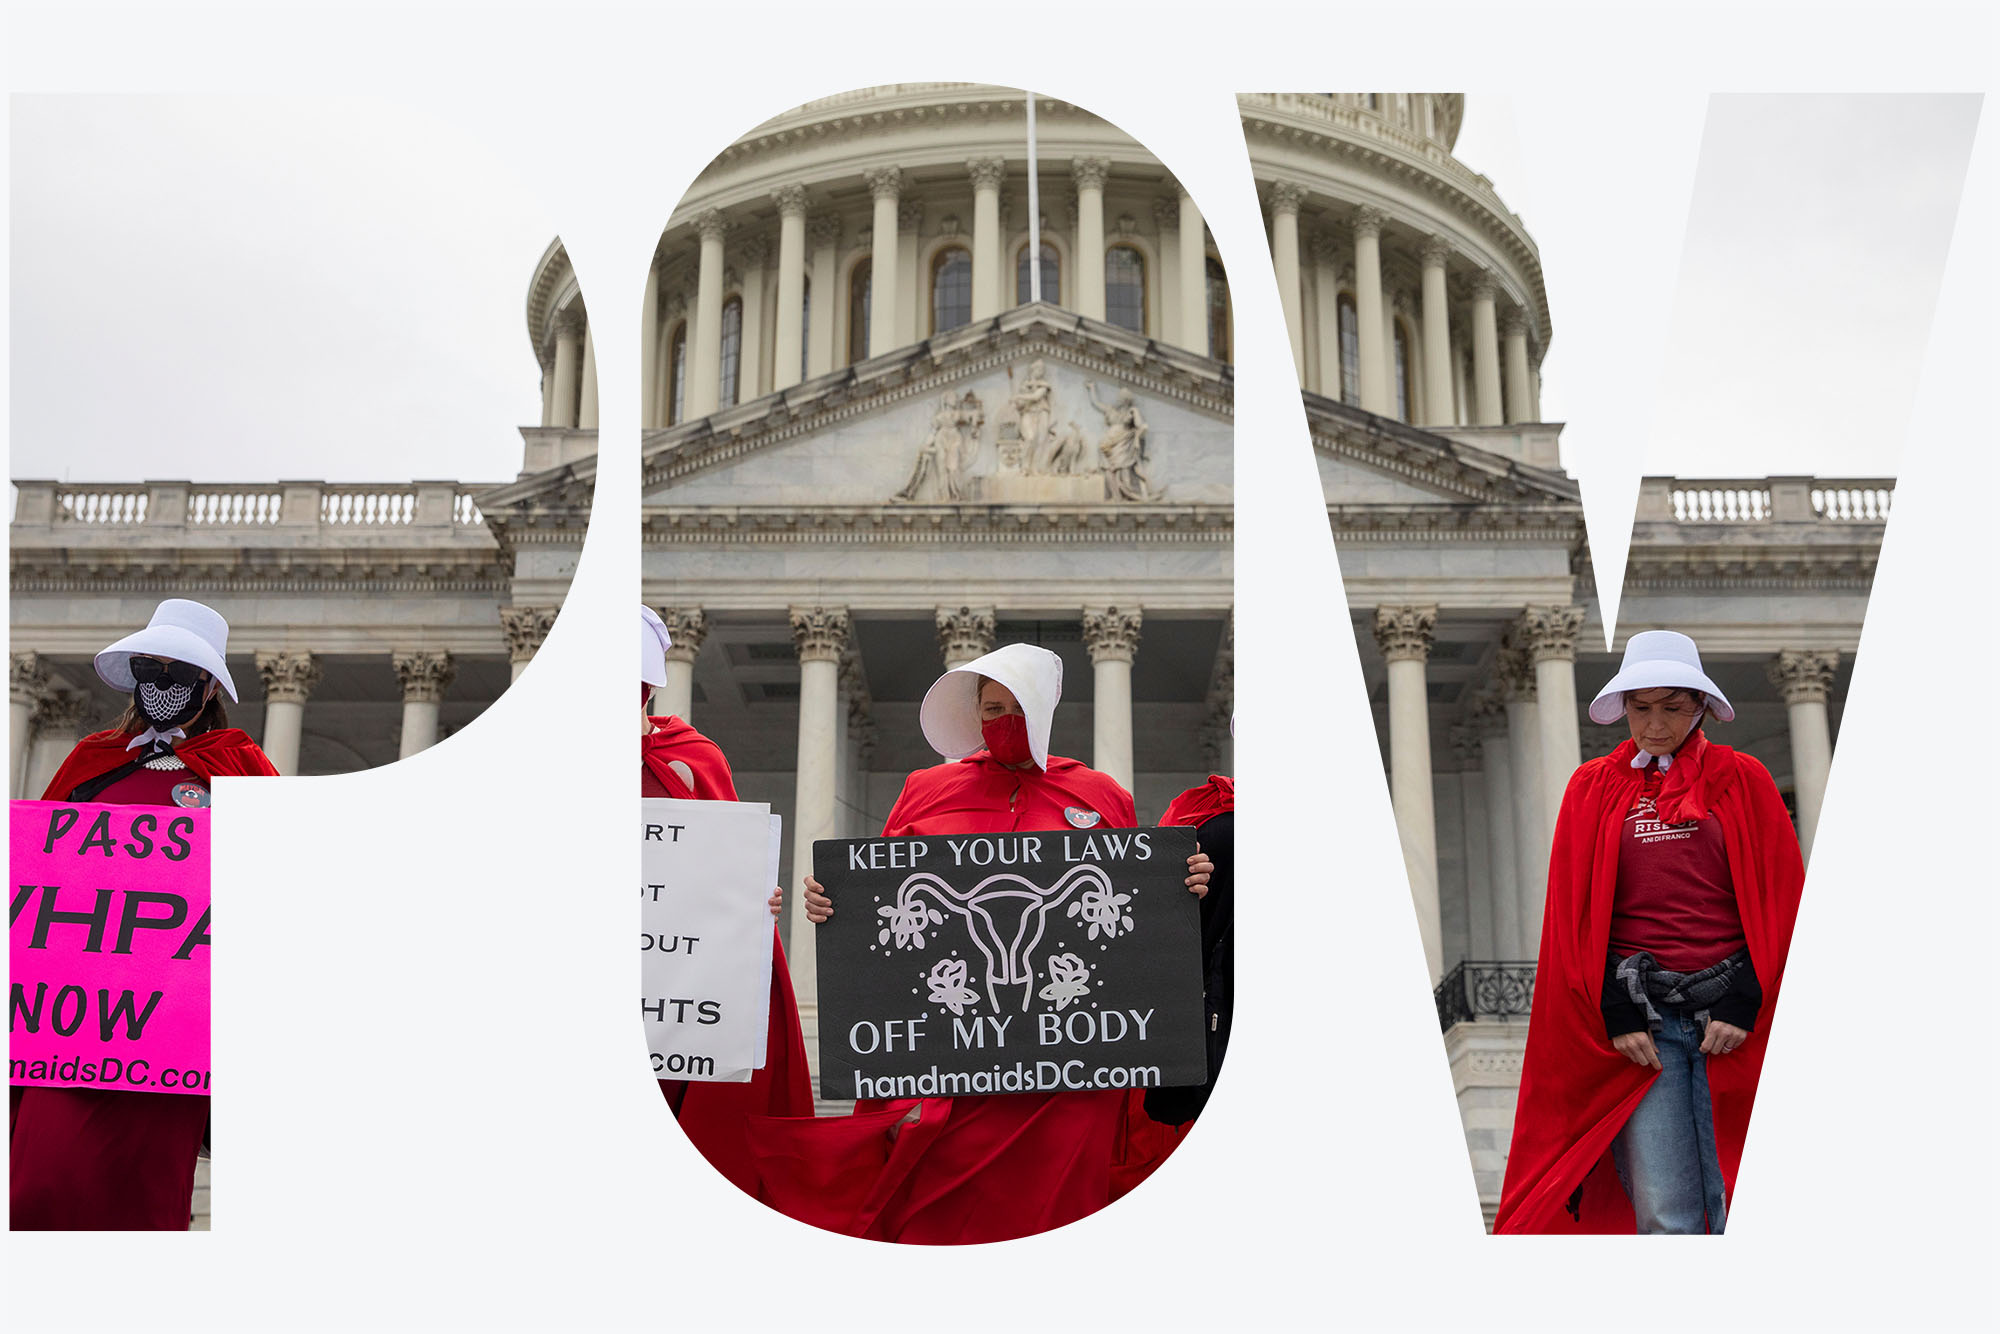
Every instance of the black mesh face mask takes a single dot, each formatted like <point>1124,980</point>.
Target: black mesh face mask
<point>167,703</point>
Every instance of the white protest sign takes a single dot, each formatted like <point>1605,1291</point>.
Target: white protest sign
<point>705,936</point>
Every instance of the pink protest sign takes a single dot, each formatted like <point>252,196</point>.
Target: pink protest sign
<point>108,941</point>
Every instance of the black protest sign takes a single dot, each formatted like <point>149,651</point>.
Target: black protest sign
<point>1009,963</point>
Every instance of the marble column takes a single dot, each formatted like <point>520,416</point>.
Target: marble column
<point>886,185</point>
<point>524,628</point>
<point>1485,354</point>
<point>569,358</point>
<point>1369,313</point>
<point>1112,636</point>
<point>827,298</point>
<point>1803,678</point>
<point>424,677</point>
<point>913,320</point>
<point>964,633</point>
<point>821,635</point>
<point>788,347</point>
<point>989,296</point>
<point>1286,196</point>
<point>704,355</point>
<point>1089,173</point>
<point>1194,279</point>
<point>586,409</point>
<point>1437,336</point>
<point>1478,862</point>
<point>1524,745</point>
<point>1503,839</point>
<point>1404,634</point>
<point>752,255</point>
<point>28,680</point>
<point>1326,302</point>
<point>288,679</point>
<point>650,353</point>
<point>1549,635</point>
<point>687,627</point>
<point>57,725</point>
<point>1520,393</point>
<point>1166,322</point>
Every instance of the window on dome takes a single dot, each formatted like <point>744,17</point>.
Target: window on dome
<point>951,289</point>
<point>677,375</point>
<point>857,311</point>
<point>1218,311</point>
<point>1350,353</point>
<point>1051,276</point>
<point>1125,288</point>
<point>805,327</point>
<point>732,350</point>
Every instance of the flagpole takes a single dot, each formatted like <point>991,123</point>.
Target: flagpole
<point>1034,211</point>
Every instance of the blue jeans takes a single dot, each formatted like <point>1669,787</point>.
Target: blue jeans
<point>1666,1153</point>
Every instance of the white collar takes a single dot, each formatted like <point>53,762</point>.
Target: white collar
<point>149,736</point>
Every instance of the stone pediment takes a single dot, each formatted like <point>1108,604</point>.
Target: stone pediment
<point>1035,407</point>
<point>1365,460</point>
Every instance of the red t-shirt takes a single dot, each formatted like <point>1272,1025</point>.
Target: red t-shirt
<point>156,787</point>
<point>1675,898</point>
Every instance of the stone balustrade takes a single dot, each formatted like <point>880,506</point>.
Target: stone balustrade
<point>152,506</point>
<point>1765,500</point>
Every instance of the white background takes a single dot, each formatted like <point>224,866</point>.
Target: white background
<point>432,1113</point>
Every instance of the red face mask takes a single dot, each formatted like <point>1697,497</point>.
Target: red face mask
<point>1007,738</point>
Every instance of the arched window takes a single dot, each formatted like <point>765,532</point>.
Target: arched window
<point>1125,288</point>
<point>857,311</point>
<point>732,349</point>
<point>1350,353</point>
<point>951,289</point>
<point>1051,276</point>
<point>1404,368</point>
<point>805,327</point>
<point>1218,311</point>
<point>677,375</point>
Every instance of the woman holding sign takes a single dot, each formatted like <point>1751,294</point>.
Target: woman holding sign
<point>972,1169</point>
<point>82,1158</point>
<point>677,761</point>
<point>1673,884</point>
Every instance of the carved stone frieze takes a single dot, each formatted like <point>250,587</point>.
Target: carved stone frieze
<point>1406,632</point>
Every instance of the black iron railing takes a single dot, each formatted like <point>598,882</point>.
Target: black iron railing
<point>1476,990</point>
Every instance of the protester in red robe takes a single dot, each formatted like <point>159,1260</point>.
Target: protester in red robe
<point>86,1158</point>
<point>677,761</point>
<point>969,1169</point>
<point>1674,881</point>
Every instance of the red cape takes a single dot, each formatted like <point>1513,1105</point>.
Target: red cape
<point>1199,805</point>
<point>224,752</point>
<point>714,1115</point>
<point>965,1169</point>
<point>1576,1090</point>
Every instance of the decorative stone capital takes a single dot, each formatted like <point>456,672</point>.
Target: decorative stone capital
<point>1469,744</point>
<point>1486,712</point>
<point>791,201</point>
<point>1368,221</point>
<point>1514,326</point>
<point>1483,285</point>
<point>525,629</point>
<point>424,676</point>
<point>1324,247</point>
<point>884,182</point>
<point>1111,633</point>
<point>59,713</point>
<point>710,225</point>
<point>1167,213</point>
<point>820,634</point>
<point>1513,668</point>
<point>964,633</point>
<point>986,172</point>
<point>755,249</point>
<point>28,678</point>
<point>687,627</point>
<point>1286,196</point>
<point>1802,676</point>
<point>824,230</point>
<point>569,323</point>
<point>910,214</point>
<point>1405,633</point>
<point>1549,633</point>
<point>288,677</point>
<point>1089,173</point>
<point>1436,252</point>
<point>676,304</point>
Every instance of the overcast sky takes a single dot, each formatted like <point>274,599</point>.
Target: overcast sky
<point>247,290</point>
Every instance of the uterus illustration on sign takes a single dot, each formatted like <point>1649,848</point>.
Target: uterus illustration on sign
<point>1006,916</point>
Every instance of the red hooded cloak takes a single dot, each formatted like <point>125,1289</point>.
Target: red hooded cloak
<point>965,1169</point>
<point>224,752</point>
<point>713,1115</point>
<point>1577,1091</point>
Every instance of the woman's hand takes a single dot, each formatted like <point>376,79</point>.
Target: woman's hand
<point>776,902</point>
<point>1638,1048</point>
<point>1200,868</point>
<point>1721,1038</point>
<point>818,906</point>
